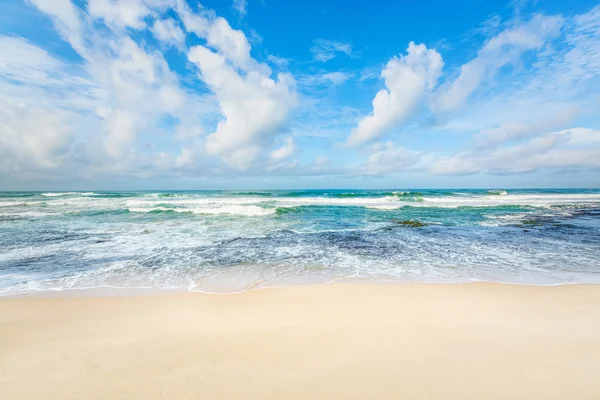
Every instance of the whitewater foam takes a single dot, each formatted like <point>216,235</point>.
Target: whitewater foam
<point>214,241</point>
<point>385,202</point>
<point>59,194</point>
<point>248,211</point>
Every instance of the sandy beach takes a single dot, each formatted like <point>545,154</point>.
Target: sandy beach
<point>339,341</point>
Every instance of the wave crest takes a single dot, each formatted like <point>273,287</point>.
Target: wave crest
<point>58,194</point>
<point>247,211</point>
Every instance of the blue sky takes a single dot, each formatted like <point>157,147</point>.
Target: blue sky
<point>176,94</point>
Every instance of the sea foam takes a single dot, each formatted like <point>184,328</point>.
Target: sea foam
<point>222,241</point>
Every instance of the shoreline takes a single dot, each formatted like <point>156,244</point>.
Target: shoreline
<point>331,341</point>
<point>124,292</point>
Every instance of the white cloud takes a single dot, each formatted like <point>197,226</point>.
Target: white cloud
<point>121,127</point>
<point>120,110</point>
<point>254,38</point>
<point>334,78</point>
<point>548,91</point>
<point>254,105</point>
<point>29,65</point>
<point>324,50</point>
<point>337,77</point>
<point>569,68</point>
<point>121,90</point>
<point>40,101</point>
<point>196,22</point>
<point>522,129</point>
<point>169,32</point>
<point>101,104</point>
<point>230,43</point>
<point>387,158</point>
<point>505,48</point>
<point>321,161</point>
<point>66,18</point>
<point>577,147</point>
<point>407,78</point>
<point>119,14</point>
<point>241,6</point>
<point>138,88</point>
<point>46,137</point>
<point>284,151</point>
<point>582,136</point>
<point>278,61</point>
<point>369,73</point>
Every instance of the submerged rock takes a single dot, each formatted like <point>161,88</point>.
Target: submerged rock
<point>410,223</point>
<point>530,222</point>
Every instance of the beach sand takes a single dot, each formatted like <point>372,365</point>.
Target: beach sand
<point>338,341</point>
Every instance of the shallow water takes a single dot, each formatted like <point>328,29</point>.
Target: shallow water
<point>225,241</point>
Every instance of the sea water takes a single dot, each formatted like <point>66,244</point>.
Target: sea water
<point>230,241</point>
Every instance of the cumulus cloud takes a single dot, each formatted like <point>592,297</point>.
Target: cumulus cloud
<point>115,102</point>
<point>40,100</point>
<point>47,134</point>
<point>407,78</point>
<point>232,44</point>
<point>254,105</point>
<point>120,14</point>
<point>118,108</point>
<point>95,108</point>
<point>284,151</point>
<point>324,50</point>
<point>168,32</point>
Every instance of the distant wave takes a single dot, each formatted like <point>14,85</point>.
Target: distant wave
<point>163,195</point>
<point>385,207</point>
<point>497,192</point>
<point>12,203</point>
<point>344,195</point>
<point>231,240</point>
<point>305,193</point>
<point>58,194</point>
<point>248,211</point>
<point>375,194</point>
<point>250,193</point>
<point>288,210</point>
<point>392,200</point>
<point>109,195</point>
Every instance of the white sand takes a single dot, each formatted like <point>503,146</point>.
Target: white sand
<point>342,341</point>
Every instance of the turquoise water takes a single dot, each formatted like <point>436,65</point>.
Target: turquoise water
<point>229,241</point>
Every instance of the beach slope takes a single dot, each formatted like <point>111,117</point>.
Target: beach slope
<point>339,341</point>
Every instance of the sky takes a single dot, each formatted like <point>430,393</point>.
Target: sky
<point>266,94</point>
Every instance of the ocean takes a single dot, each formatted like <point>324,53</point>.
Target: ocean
<point>231,241</point>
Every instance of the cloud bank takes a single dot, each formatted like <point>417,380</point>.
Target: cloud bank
<point>163,89</point>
